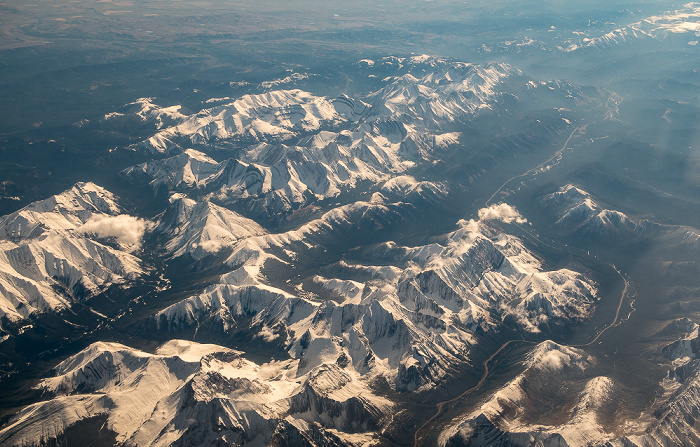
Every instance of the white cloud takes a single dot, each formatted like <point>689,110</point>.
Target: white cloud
<point>472,228</point>
<point>470,225</point>
<point>503,212</point>
<point>128,230</point>
<point>212,245</point>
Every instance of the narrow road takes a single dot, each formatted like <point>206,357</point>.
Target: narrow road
<point>556,154</point>
<point>617,313</point>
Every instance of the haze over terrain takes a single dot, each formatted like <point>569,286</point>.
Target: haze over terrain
<point>308,223</point>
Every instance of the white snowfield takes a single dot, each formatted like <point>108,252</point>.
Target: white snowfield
<point>51,252</point>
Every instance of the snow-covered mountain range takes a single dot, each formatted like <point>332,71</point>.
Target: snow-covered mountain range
<point>64,249</point>
<point>195,394</point>
<point>328,271</point>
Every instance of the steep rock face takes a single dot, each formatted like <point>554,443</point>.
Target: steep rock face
<point>191,394</point>
<point>686,347</point>
<point>292,433</point>
<point>332,397</point>
<point>53,252</point>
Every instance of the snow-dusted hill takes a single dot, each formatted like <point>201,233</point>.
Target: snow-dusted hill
<point>684,23</point>
<point>549,368</point>
<point>202,228</point>
<point>65,248</point>
<point>576,210</point>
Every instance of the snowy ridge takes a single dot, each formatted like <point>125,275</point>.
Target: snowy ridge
<point>562,294</point>
<point>575,209</point>
<point>502,419</point>
<point>448,92</point>
<point>273,116</point>
<point>678,22</point>
<point>189,169</point>
<point>406,187</point>
<point>490,273</point>
<point>277,178</point>
<point>51,254</point>
<point>293,148</point>
<point>203,228</point>
<point>411,323</point>
<point>147,113</point>
<point>195,394</point>
<point>59,213</point>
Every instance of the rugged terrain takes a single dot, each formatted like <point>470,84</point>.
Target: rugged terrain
<point>398,250</point>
